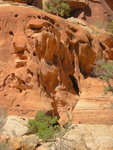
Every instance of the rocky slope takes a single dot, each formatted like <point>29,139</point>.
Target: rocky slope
<point>45,65</point>
<point>79,136</point>
<point>45,62</point>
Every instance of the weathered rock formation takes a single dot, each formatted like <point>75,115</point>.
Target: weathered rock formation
<point>44,59</point>
<point>79,136</point>
<point>98,12</point>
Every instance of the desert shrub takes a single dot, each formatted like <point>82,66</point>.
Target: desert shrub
<point>47,128</point>
<point>104,70</point>
<point>58,7</point>
<point>61,141</point>
<point>44,126</point>
<point>110,27</point>
<point>108,89</point>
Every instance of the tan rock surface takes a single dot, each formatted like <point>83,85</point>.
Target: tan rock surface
<point>15,126</point>
<point>26,142</point>
<point>93,137</point>
<point>84,137</point>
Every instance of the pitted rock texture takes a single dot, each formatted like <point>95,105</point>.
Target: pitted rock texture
<point>97,12</point>
<point>43,60</point>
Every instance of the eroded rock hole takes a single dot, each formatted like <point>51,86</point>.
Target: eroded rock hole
<point>38,145</point>
<point>29,16</point>
<point>49,19</point>
<point>22,57</point>
<point>11,33</point>
<point>75,85</point>
<point>102,46</point>
<point>90,42</point>
<point>17,105</point>
<point>34,54</point>
<point>16,15</point>
<point>39,17</point>
<point>20,64</point>
<point>82,41</point>
<point>73,29</point>
<point>36,29</point>
<point>57,25</point>
<point>29,72</point>
<point>19,149</point>
<point>73,64</point>
<point>70,47</point>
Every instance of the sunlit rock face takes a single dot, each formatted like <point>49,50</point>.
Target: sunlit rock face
<point>97,12</point>
<point>44,59</point>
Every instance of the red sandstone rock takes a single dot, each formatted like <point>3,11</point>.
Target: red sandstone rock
<point>43,60</point>
<point>96,12</point>
<point>106,42</point>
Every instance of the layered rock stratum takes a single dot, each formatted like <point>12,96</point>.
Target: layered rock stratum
<point>46,64</point>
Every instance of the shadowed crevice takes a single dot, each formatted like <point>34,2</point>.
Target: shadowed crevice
<point>75,85</point>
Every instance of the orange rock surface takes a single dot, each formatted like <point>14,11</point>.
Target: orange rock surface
<point>45,62</point>
<point>97,12</point>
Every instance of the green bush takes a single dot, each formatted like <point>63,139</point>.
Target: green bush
<point>58,7</point>
<point>44,126</point>
<point>104,70</point>
<point>110,27</point>
<point>108,89</point>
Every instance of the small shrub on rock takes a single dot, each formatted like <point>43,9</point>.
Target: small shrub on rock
<point>104,70</point>
<point>58,7</point>
<point>44,126</point>
<point>110,27</point>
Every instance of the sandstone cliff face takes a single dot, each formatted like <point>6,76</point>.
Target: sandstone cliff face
<point>44,59</point>
<point>97,12</point>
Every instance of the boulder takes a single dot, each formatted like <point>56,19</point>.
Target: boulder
<point>83,137</point>
<point>15,126</point>
<point>28,142</point>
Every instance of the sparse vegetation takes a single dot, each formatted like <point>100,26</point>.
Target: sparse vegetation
<point>58,7</point>
<point>44,126</point>
<point>110,27</point>
<point>107,26</point>
<point>61,141</point>
<point>47,128</point>
<point>104,70</point>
